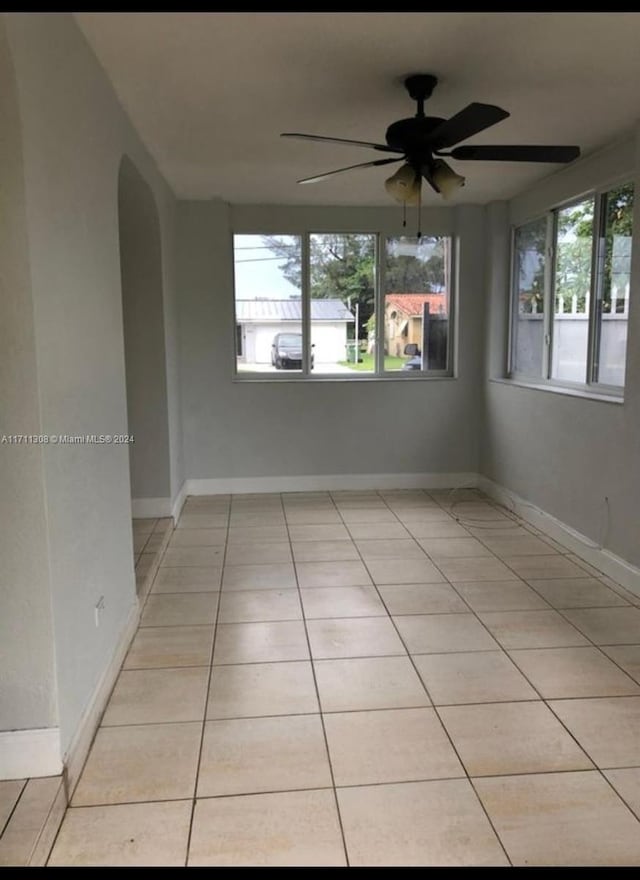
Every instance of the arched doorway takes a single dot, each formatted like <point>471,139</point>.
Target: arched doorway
<point>145,363</point>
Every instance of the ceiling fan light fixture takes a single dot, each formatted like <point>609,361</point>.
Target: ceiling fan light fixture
<point>404,185</point>
<point>445,179</point>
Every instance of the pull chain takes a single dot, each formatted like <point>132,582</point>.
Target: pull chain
<point>404,214</point>
<point>419,210</point>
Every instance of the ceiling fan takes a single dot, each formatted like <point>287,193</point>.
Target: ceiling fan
<point>420,140</point>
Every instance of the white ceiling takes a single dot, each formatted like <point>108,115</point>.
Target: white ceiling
<point>209,93</point>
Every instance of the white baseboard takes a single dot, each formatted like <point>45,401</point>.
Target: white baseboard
<point>81,743</point>
<point>178,502</point>
<point>145,508</point>
<point>319,483</point>
<point>618,569</point>
<point>30,753</point>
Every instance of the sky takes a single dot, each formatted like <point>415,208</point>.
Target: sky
<point>256,271</point>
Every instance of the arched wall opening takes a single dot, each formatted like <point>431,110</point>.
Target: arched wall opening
<point>144,342</point>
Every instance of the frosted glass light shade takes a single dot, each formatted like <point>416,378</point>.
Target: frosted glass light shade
<point>446,179</point>
<point>404,185</point>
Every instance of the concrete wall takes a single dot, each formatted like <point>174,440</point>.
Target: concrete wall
<point>27,679</point>
<point>272,429</point>
<point>570,343</point>
<point>74,135</point>
<point>563,453</point>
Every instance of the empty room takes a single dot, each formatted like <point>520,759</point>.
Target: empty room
<point>319,439</point>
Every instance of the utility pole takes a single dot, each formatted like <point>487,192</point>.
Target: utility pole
<point>357,358</point>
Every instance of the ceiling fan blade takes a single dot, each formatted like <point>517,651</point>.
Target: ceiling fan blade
<point>349,168</point>
<point>517,153</point>
<point>331,140</point>
<point>469,121</point>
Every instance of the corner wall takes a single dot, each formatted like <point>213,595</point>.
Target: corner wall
<point>27,675</point>
<point>565,454</point>
<point>74,135</point>
<point>237,430</point>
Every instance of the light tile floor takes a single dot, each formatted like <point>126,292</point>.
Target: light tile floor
<point>367,678</point>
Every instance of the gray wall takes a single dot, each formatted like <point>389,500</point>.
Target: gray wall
<point>74,136</point>
<point>281,429</point>
<point>144,336</point>
<point>27,685</point>
<point>565,454</point>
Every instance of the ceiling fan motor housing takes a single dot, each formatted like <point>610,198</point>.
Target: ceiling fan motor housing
<point>412,135</point>
<point>422,138</point>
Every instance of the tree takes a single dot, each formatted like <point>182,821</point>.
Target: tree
<point>421,271</point>
<point>574,249</point>
<point>530,247</point>
<point>619,225</point>
<point>342,266</point>
<point>573,256</point>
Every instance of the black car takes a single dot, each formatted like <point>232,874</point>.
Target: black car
<point>286,351</point>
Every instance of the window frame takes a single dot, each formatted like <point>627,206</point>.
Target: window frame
<point>379,373</point>
<point>591,386</point>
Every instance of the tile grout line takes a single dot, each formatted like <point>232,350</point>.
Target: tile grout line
<point>446,731</point>
<point>437,714</point>
<point>61,787</point>
<point>206,704</point>
<point>14,808</point>
<point>300,592</point>
<point>320,710</point>
<point>546,701</point>
<point>463,776</point>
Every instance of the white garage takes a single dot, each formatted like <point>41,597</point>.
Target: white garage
<point>258,321</point>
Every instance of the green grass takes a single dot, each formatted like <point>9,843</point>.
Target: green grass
<point>367,365</point>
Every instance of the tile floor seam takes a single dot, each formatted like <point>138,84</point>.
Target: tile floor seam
<point>442,499</point>
<point>599,647</point>
<point>463,776</point>
<point>615,790</point>
<point>545,701</point>
<point>13,809</point>
<point>206,702</point>
<point>43,828</point>
<point>440,721</point>
<point>596,768</point>
<point>324,730</point>
<point>579,648</point>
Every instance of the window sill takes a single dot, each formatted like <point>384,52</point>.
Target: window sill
<point>561,389</point>
<point>406,377</point>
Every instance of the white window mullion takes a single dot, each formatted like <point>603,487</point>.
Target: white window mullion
<point>513,307</point>
<point>597,278</point>
<point>306,306</point>
<point>379,303</point>
<point>549,293</point>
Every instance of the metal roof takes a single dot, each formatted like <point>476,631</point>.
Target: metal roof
<point>290,310</point>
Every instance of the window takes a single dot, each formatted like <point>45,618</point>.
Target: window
<point>530,248</point>
<point>612,291</point>
<point>570,293</point>
<point>342,289</point>
<point>416,304</point>
<point>268,300</point>
<point>342,305</point>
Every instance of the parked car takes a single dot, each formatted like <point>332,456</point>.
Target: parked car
<point>286,351</point>
<point>415,361</point>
